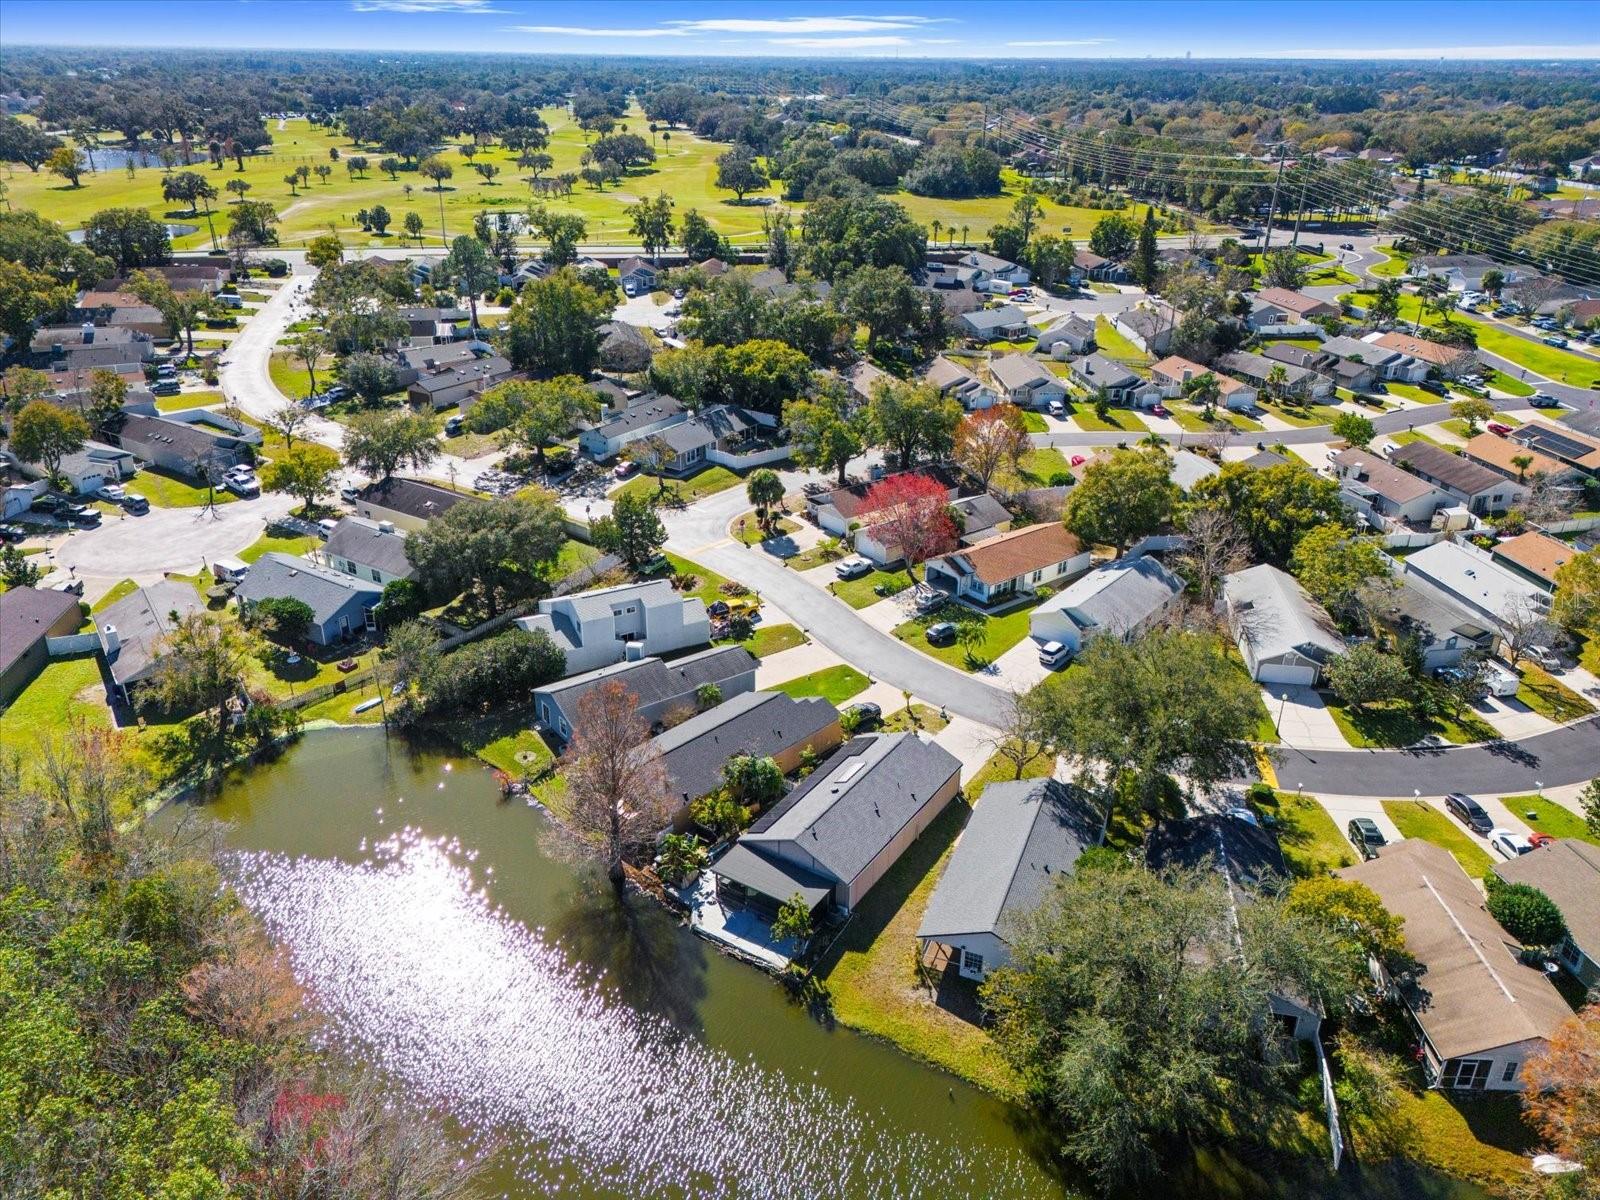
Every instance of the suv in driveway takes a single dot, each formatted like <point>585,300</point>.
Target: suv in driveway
<point>1365,836</point>
<point>1469,812</point>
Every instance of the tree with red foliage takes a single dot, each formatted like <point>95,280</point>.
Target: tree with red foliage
<point>910,513</point>
<point>989,439</point>
<point>1561,1094</point>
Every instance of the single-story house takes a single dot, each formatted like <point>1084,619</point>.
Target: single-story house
<point>953,379</point>
<point>1022,838</point>
<point>721,434</point>
<point>407,504</point>
<point>433,323</point>
<point>864,378</point>
<point>1023,381</point>
<point>1189,468</point>
<point>412,363</point>
<point>1479,1009</point>
<point>1298,356</point>
<point>1284,635</point>
<point>999,569</point>
<point>1586,423</point>
<point>122,310</point>
<point>132,631</point>
<point>185,275</point>
<point>638,273</point>
<point>1385,363</point>
<point>1471,483</point>
<point>1444,631</point>
<point>373,550</point>
<point>644,415</point>
<point>460,384</point>
<point>1148,327</point>
<point>631,620</point>
<point>1448,361</point>
<point>1568,871</point>
<point>1172,372</point>
<point>1004,322</point>
<point>59,341</point>
<point>1370,481</point>
<point>980,517</point>
<point>87,469</point>
<point>1095,371</point>
<point>1122,599</point>
<point>1068,336</point>
<point>28,617</point>
<point>1462,272</point>
<point>661,689</point>
<point>1277,307</point>
<point>1499,455</point>
<point>836,834</point>
<point>990,266</point>
<point>1257,369</point>
<point>1571,447</point>
<point>1262,459</point>
<point>624,347</point>
<point>1536,556</point>
<point>341,605</point>
<point>712,268</point>
<point>761,724</point>
<point>188,447</point>
<point>1473,578</point>
<point>1248,858</point>
<point>836,511</point>
<point>1088,265</point>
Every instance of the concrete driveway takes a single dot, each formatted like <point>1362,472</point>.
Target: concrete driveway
<point>1302,718</point>
<point>169,539</point>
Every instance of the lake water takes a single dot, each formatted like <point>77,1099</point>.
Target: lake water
<point>600,1048</point>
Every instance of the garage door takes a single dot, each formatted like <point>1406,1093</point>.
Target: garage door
<point>1286,673</point>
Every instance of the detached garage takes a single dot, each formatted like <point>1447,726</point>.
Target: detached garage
<point>1284,635</point>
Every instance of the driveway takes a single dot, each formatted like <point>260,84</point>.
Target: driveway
<point>170,539</point>
<point>1302,718</point>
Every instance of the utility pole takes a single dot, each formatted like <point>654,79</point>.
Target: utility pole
<point>1272,205</point>
<point>1300,208</point>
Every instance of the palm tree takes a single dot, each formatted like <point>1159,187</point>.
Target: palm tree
<point>963,235</point>
<point>937,226</point>
<point>1522,462</point>
<point>1276,379</point>
<point>764,489</point>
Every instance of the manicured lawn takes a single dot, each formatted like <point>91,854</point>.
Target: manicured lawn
<point>118,591</point>
<point>1116,420</point>
<point>267,542</point>
<point>1303,416</point>
<point>1411,391</point>
<point>1311,842</point>
<point>1398,725</point>
<point>707,483</point>
<point>1419,819</point>
<point>873,979</point>
<point>1040,465</point>
<point>1115,345</point>
<point>292,379</point>
<point>1549,817</point>
<point>43,708</point>
<point>710,583</point>
<point>1549,361</point>
<point>281,680</point>
<point>165,490</point>
<point>770,639</point>
<point>1549,697</point>
<point>833,684</point>
<point>922,718</point>
<point>574,556</point>
<point>1406,436</point>
<point>1240,422</point>
<point>340,709</point>
<point>858,593</point>
<point>999,635</point>
<point>184,400</point>
<point>1391,267</point>
<point>1323,276</point>
<point>1502,382</point>
<point>751,534</point>
<point>1002,770</point>
<point>1033,422</point>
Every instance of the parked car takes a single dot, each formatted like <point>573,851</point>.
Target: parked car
<point>1469,812</point>
<point>1434,386</point>
<point>930,601</point>
<point>1365,836</point>
<point>1056,409</point>
<point>136,504</point>
<point>941,634</point>
<point>1158,410</point>
<point>853,568</point>
<point>349,493</point>
<point>83,514</point>
<point>624,469</point>
<point>325,528</point>
<point>1508,843</point>
<point>242,485</point>
<point>1544,657</point>
<point>1543,400</point>
<point>1499,429</point>
<point>453,426</point>
<point>1554,341</point>
<point>1347,245</point>
<point>12,533</point>
<point>165,387</point>
<point>1054,655</point>
<point>867,713</point>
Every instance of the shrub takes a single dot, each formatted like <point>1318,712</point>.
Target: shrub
<point>1526,913</point>
<point>496,672</point>
<point>720,813</point>
<point>681,856</point>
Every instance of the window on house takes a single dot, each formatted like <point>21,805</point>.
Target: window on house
<point>972,963</point>
<point>376,578</point>
<point>1570,954</point>
<point>1510,1072</point>
<point>1037,576</point>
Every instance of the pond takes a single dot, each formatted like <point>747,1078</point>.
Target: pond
<point>175,229</point>
<point>601,1049</point>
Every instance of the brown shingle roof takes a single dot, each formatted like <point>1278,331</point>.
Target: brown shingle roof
<point>1535,552</point>
<point>1020,551</point>
<point>1568,871</point>
<point>1295,302</point>
<point>26,615</point>
<point>1495,451</point>
<point>1434,353</point>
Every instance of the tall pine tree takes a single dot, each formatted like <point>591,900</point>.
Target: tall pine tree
<point>1144,259</point>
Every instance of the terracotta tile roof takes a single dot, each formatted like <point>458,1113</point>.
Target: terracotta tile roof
<point>1495,451</point>
<point>1020,551</point>
<point>1536,552</point>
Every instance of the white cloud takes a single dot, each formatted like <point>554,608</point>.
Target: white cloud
<point>1406,53</point>
<point>1066,42</point>
<point>425,6</point>
<point>799,25</point>
<point>844,43</point>
<point>585,31</point>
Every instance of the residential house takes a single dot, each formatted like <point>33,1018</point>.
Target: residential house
<point>1444,631</point>
<point>1448,361</point>
<point>1148,326</point>
<point>837,511</point>
<point>980,517</point>
<point>1536,556</point>
<point>1088,265</point>
<point>185,275</point>
<point>1568,871</point>
<point>1025,382</point>
<point>1284,635</point>
<point>1374,484</point>
<point>122,310</point>
<point>1189,468</point>
<point>366,549</point>
<point>1004,322</point>
<point>1499,454</point>
<point>1095,371</point>
<point>836,834</point>
<point>1479,1009</point>
<point>1276,308</point>
<point>1473,579</point>
<point>953,379</point>
<point>1298,356</point>
<point>1020,841</point>
<point>644,416</point>
<point>1068,336</point>
<point>990,266</point>
<point>661,689</point>
<point>712,268</point>
<point>87,469</point>
<point>412,363</point>
<point>636,276</point>
<point>1122,599</point>
<point>1462,272</point>
<point>1262,459</point>
<point>1249,860</point>
<point>62,341</point>
<point>864,378</point>
<point>624,347</point>
<point>133,630</point>
<point>1586,423</point>
<point>407,504</point>
<point>761,724</point>
<point>459,384</point>
<point>435,324</point>
<point>341,605</point>
<point>1471,483</point>
<point>1173,372</point>
<point>630,620</point>
<point>722,434</point>
<point>1256,370</point>
<point>774,283</point>
<point>1572,447</point>
<point>998,570</point>
<point>28,618</point>
<point>188,447</point>
<point>1382,362</point>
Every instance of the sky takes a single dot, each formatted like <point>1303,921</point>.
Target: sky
<point>1304,29</point>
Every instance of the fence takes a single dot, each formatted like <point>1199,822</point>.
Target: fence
<point>72,643</point>
<point>1571,525</point>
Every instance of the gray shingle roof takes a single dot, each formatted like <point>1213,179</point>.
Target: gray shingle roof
<point>1022,837</point>
<point>1453,471</point>
<point>769,876</point>
<point>1097,370</point>
<point>141,620</point>
<point>996,318</point>
<point>645,410</point>
<point>364,543</point>
<point>412,497</point>
<point>1278,616</point>
<point>326,591</point>
<point>762,724</point>
<point>1116,597</point>
<point>654,681</point>
<point>1568,871</point>
<point>26,615</point>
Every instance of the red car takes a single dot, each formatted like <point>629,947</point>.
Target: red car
<point>1078,460</point>
<point>1158,410</point>
<point>1539,839</point>
<point>1497,428</point>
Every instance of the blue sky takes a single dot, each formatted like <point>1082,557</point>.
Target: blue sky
<point>1347,29</point>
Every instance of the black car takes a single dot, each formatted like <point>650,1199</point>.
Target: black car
<point>941,634</point>
<point>1365,836</point>
<point>1469,812</point>
<point>1434,386</point>
<point>12,533</point>
<point>867,713</point>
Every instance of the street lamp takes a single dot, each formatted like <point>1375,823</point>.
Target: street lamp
<point>1277,725</point>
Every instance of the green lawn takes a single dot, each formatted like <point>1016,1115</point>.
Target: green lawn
<point>292,379</point>
<point>751,533</point>
<point>1034,422</point>
<point>1116,420</point>
<point>771,639</point>
<point>165,490</point>
<point>707,483</point>
<point>574,556</point>
<point>1391,267</point>
<point>285,545</point>
<point>1406,436</point>
<point>1115,346</point>
<point>1412,392</point>
<point>1311,842</point>
<point>340,709</point>
<point>1502,382</point>
<point>1002,770</point>
<point>710,583</point>
<point>1549,697</point>
<point>43,707</point>
<point>1549,361</point>
<point>833,684</point>
<point>859,593</point>
<point>1041,464</point>
<point>118,591</point>
<point>922,718</point>
<point>523,752</point>
<point>1303,416</point>
<point>1419,819</point>
<point>999,634</point>
<point>184,400</point>
<point>1396,725</point>
<point>1546,816</point>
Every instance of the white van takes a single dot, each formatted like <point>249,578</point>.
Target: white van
<point>229,570</point>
